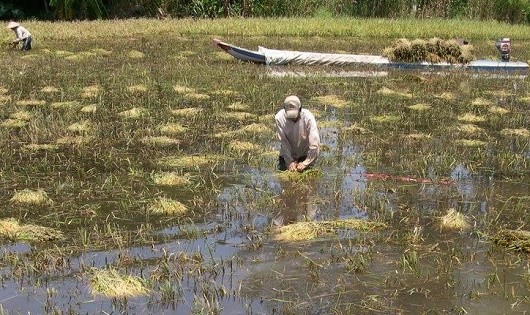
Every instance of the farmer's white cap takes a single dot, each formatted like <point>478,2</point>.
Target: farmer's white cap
<point>292,106</point>
<point>12,24</point>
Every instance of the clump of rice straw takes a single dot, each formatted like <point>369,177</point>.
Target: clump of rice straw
<point>65,105</point>
<point>139,88</point>
<point>15,231</point>
<point>304,231</point>
<point>172,129</point>
<point>49,89</point>
<point>89,109</point>
<point>109,283</point>
<point>385,119</point>
<point>237,115</point>
<point>521,132</point>
<point>196,96</point>
<point>31,197</point>
<point>13,123</point>
<point>479,101</point>
<point>73,140</point>
<point>167,206</point>
<point>470,143</point>
<point>454,220</point>
<point>40,147</point>
<point>21,115</point>
<point>498,110</point>
<point>84,126</point>
<point>4,98</point>
<point>389,92</point>
<point>170,179</point>
<point>238,106</point>
<point>332,100</point>
<point>30,103</point>
<point>3,90</point>
<point>183,89</point>
<point>514,239</point>
<point>448,96</point>
<point>135,54</point>
<point>186,112</point>
<point>420,107</point>
<point>133,113</point>
<point>471,118</point>
<point>90,91</point>
<point>160,141</point>
<point>470,129</point>
<point>355,129</point>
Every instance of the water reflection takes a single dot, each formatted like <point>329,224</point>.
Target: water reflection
<point>296,202</point>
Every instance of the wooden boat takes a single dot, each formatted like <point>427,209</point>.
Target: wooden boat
<point>282,57</point>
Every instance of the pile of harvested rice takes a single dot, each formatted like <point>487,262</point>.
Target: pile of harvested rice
<point>302,231</point>
<point>13,230</point>
<point>433,50</point>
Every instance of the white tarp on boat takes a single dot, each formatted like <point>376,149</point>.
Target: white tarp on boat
<point>282,57</point>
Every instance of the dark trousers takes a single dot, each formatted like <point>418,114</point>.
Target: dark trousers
<point>26,43</point>
<point>282,166</point>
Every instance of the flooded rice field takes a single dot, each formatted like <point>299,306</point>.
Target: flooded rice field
<point>139,177</point>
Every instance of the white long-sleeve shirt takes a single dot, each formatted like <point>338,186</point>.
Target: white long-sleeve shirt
<point>298,139</point>
<point>22,33</point>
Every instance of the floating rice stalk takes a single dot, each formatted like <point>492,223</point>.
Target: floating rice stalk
<point>139,88</point>
<point>389,92</point>
<point>385,119</point>
<point>13,123</point>
<point>167,206</point>
<point>31,197</point>
<point>238,106</point>
<point>135,54</point>
<point>332,100</point>
<point>481,102</point>
<point>133,113</point>
<point>186,112</point>
<point>21,115</point>
<point>454,220</point>
<point>110,283</point>
<point>189,161</point>
<point>90,109</point>
<point>13,230</point>
<point>498,110</point>
<point>183,89</point>
<point>170,179</point>
<point>304,176</point>
<point>40,147</point>
<point>522,132</point>
<point>243,146</point>
<point>172,129</point>
<point>3,90</point>
<point>513,239</point>
<point>470,143</point>
<point>84,126</point>
<point>470,129</point>
<point>160,141</point>
<point>303,231</point>
<point>90,91</point>
<point>30,103</point>
<point>49,89</point>
<point>420,107</point>
<point>471,118</point>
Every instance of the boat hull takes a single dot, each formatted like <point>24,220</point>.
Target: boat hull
<point>283,57</point>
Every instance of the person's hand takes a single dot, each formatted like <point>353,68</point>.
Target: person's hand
<point>293,166</point>
<point>300,167</point>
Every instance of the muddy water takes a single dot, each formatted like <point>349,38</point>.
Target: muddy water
<point>224,259</point>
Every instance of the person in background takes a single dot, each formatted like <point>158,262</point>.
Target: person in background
<point>297,131</point>
<point>21,34</point>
